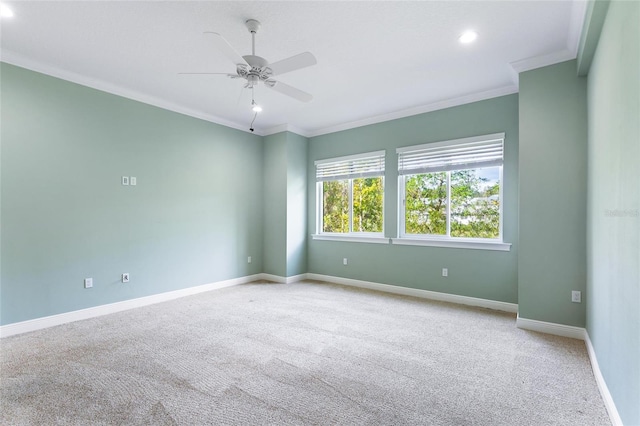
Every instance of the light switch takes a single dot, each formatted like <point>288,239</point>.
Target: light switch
<point>133,181</point>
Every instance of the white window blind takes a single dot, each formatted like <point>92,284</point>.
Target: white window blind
<point>459,154</point>
<point>350,167</point>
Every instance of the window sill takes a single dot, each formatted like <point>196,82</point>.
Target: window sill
<point>351,238</point>
<point>475,245</point>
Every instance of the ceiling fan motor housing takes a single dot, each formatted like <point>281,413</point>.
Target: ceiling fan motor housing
<point>258,70</point>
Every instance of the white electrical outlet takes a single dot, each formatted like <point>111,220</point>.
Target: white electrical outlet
<point>125,277</point>
<point>249,259</point>
<point>88,282</point>
<point>125,180</point>
<point>576,296</point>
<point>445,272</point>
<point>345,261</point>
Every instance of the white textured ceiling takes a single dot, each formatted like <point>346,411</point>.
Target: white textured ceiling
<point>376,60</point>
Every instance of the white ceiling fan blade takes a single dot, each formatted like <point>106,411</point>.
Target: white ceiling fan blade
<point>293,63</point>
<point>285,89</point>
<point>226,49</point>
<point>207,73</point>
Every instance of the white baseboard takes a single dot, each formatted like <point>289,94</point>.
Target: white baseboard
<point>424,294</point>
<point>283,280</point>
<point>273,278</point>
<point>581,334</point>
<point>602,385</point>
<point>296,278</point>
<point>96,311</point>
<point>53,320</point>
<point>551,328</point>
<point>523,323</point>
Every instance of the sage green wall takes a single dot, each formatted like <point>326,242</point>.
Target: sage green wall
<point>193,218</point>
<point>296,204</point>
<point>613,274</point>
<point>553,188</point>
<point>274,188</point>
<point>476,273</point>
<point>285,209</point>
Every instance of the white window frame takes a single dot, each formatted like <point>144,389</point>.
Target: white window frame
<point>447,240</point>
<point>347,168</point>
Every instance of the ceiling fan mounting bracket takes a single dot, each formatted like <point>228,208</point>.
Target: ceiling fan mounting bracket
<point>252,25</point>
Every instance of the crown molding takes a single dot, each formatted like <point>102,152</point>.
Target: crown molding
<point>23,62</point>
<point>16,59</point>
<point>285,128</point>
<point>448,103</point>
<point>542,61</point>
<point>595,16</point>
<point>515,76</point>
<point>516,67</point>
<point>576,25</point>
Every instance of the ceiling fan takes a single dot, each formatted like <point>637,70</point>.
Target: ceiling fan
<point>255,69</point>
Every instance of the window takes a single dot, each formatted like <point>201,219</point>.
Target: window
<point>350,195</point>
<point>452,190</point>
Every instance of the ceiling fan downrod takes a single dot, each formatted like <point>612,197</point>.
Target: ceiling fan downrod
<point>253,26</point>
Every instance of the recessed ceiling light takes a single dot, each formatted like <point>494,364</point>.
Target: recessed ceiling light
<point>5,12</point>
<point>468,37</point>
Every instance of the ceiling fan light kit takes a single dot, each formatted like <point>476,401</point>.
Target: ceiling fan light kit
<point>468,37</point>
<point>255,69</point>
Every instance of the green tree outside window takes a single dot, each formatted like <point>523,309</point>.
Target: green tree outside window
<point>473,210</point>
<point>367,205</point>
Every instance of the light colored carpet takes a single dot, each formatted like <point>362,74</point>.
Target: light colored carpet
<point>303,353</point>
